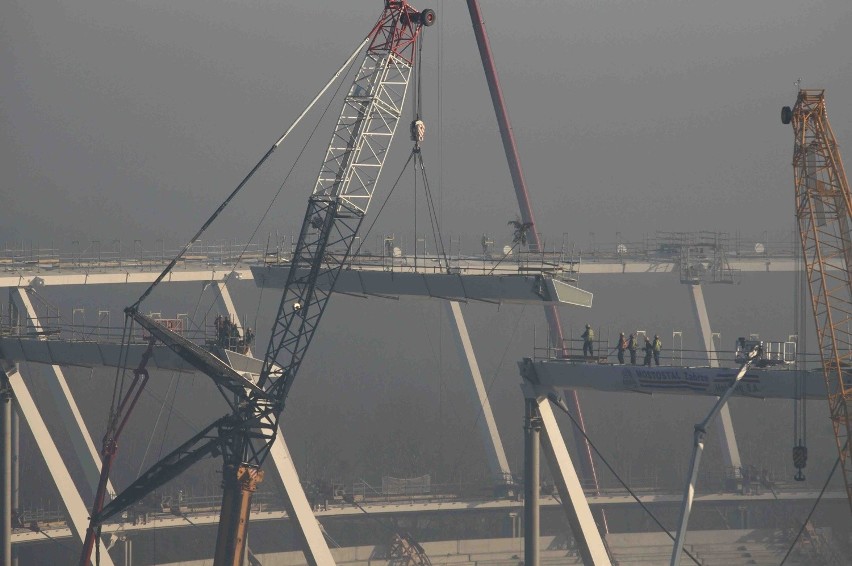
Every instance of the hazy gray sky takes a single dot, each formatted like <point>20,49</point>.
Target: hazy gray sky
<point>132,120</point>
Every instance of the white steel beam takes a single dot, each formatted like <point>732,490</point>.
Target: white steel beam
<point>571,493</point>
<point>724,425</point>
<point>299,510</point>
<point>66,407</point>
<point>74,505</point>
<point>497,462</point>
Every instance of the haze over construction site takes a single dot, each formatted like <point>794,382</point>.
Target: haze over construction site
<point>494,192</point>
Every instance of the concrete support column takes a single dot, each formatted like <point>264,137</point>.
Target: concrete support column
<point>6,473</point>
<point>724,425</point>
<point>532,473</point>
<point>16,469</point>
<point>128,551</point>
<point>66,407</point>
<point>308,529</point>
<point>497,462</point>
<point>586,532</point>
<point>74,506</point>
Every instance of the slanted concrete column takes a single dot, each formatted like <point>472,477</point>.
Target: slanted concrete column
<point>724,425</point>
<point>497,462</point>
<point>77,513</point>
<point>66,407</point>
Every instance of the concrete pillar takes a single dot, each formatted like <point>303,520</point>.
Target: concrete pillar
<point>532,471</point>
<point>308,529</point>
<point>724,425</point>
<point>497,462</point>
<point>6,473</point>
<point>16,469</point>
<point>66,406</point>
<point>589,540</point>
<point>76,509</point>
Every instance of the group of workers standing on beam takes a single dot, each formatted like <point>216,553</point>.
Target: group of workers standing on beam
<point>651,348</point>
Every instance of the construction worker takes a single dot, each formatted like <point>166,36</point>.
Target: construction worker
<point>588,340</point>
<point>649,351</point>
<point>658,345</point>
<point>622,345</point>
<point>632,346</point>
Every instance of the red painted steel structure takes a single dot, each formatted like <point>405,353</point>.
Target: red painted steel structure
<point>514,161</point>
<point>118,420</point>
<point>398,28</point>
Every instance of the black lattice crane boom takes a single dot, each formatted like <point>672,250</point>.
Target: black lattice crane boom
<point>824,215</point>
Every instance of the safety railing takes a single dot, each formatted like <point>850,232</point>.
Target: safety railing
<point>564,257</point>
<point>780,354</point>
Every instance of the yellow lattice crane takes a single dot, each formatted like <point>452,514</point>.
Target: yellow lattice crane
<point>824,214</point>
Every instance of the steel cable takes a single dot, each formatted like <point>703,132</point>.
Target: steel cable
<point>614,473</point>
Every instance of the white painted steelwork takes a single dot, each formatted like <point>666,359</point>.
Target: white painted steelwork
<point>758,383</point>
<point>496,455</point>
<point>574,500</point>
<point>697,450</point>
<point>724,425</point>
<point>66,407</point>
<point>512,289</point>
<point>71,499</point>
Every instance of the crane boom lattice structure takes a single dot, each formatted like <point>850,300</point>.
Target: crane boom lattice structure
<point>340,199</point>
<point>824,215</point>
<point>344,189</point>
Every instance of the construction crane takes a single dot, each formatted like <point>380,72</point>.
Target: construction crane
<point>824,215</point>
<point>338,203</point>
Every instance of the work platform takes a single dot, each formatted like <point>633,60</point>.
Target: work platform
<point>758,383</point>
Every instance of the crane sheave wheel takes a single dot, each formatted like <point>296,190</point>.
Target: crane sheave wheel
<point>786,115</point>
<point>427,17</point>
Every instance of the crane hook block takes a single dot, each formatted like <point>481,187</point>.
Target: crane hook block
<point>786,115</point>
<point>800,460</point>
<point>418,131</point>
